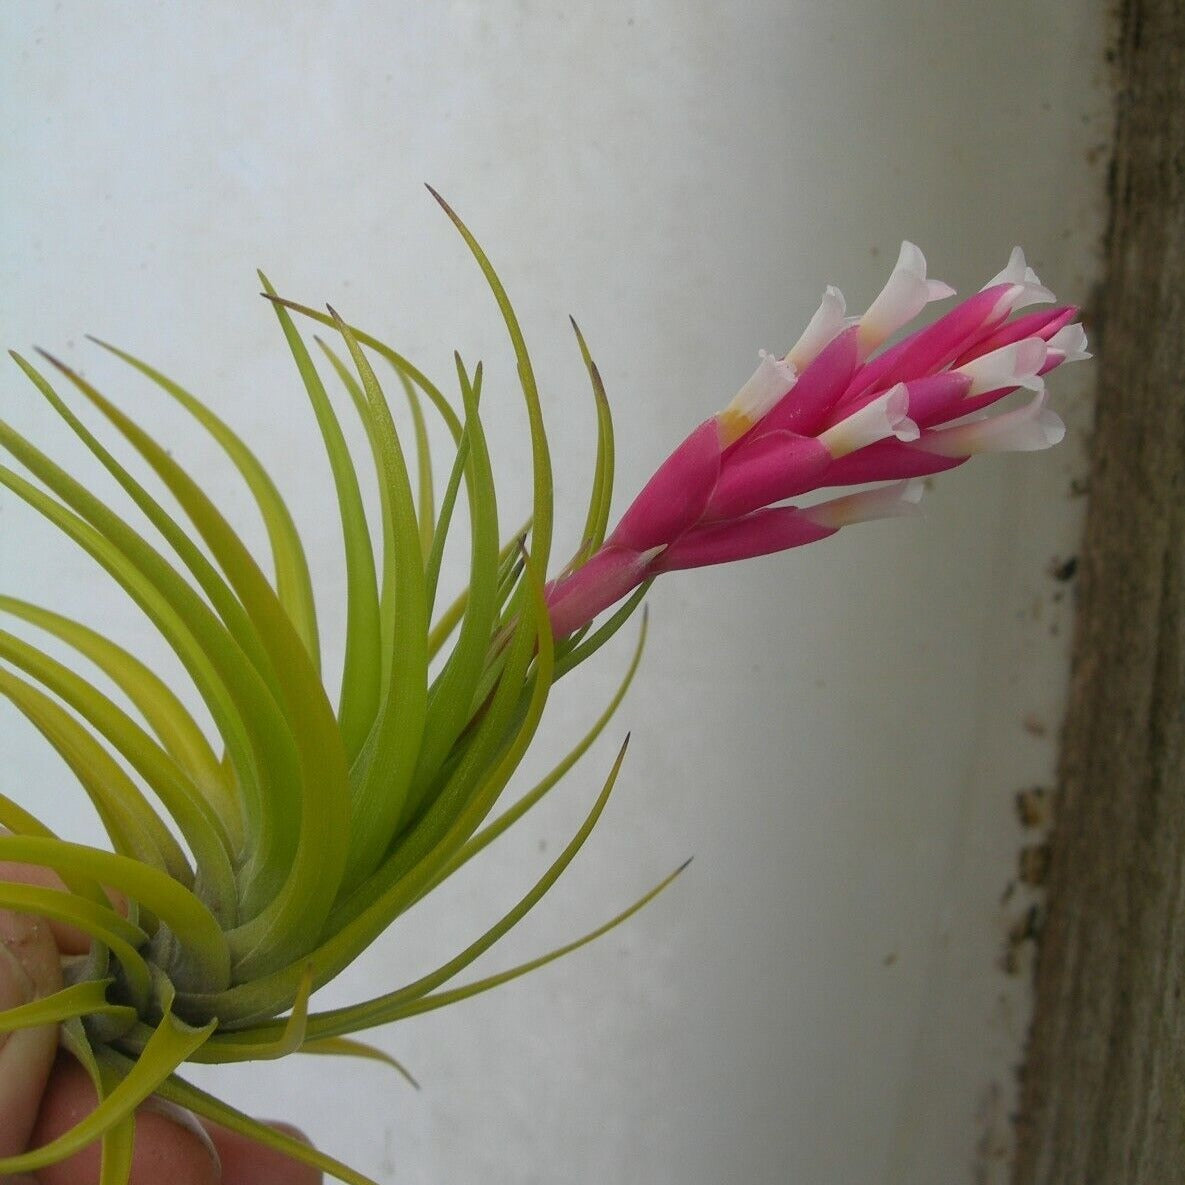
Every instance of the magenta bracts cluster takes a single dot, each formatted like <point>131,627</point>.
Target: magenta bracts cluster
<point>836,412</point>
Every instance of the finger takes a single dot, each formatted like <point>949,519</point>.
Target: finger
<point>70,939</point>
<point>245,1162</point>
<point>169,1145</point>
<point>29,968</point>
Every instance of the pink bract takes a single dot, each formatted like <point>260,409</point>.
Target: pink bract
<point>839,410</point>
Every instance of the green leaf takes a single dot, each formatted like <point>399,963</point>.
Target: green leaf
<point>129,820</point>
<point>451,617</point>
<point>460,468</point>
<point>293,584</point>
<point>454,689</point>
<point>384,774</point>
<point>102,923</point>
<point>386,641</point>
<point>171,1044</point>
<point>240,1047</point>
<point>391,1005</point>
<point>204,959</point>
<point>425,501</point>
<point>22,822</point>
<point>184,1094</point>
<point>361,673</point>
<point>161,709</point>
<point>197,819</point>
<point>443,999</point>
<point>541,517</point>
<point>88,998</point>
<point>512,815</point>
<point>261,746</point>
<point>209,580</point>
<point>400,363</point>
<point>311,877</point>
<point>345,1047</point>
<point>601,494</point>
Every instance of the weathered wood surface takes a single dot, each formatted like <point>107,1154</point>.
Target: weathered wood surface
<point>1103,1093</point>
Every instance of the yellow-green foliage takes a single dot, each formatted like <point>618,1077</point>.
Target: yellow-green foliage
<point>257,865</point>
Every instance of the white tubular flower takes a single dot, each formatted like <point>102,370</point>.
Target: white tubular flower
<point>1027,429</point>
<point>892,501</point>
<point>1025,287</point>
<point>827,323</point>
<point>887,415</point>
<point>1015,365</point>
<point>902,298</point>
<point>772,379</point>
<point>1070,343</point>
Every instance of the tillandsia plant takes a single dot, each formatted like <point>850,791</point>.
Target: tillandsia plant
<point>253,866</point>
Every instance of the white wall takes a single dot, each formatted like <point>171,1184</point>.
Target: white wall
<point>836,734</point>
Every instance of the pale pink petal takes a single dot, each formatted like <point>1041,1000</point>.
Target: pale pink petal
<point>902,298</point>
<point>769,383</point>
<point>1016,365</point>
<point>823,328</point>
<point>884,416</point>
<point>1019,285</point>
<point>892,501</point>
<point>1067,345</point>
<point>817,390</point>
<point>1026,429</point>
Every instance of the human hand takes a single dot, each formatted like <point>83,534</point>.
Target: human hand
<point>44,1091</point>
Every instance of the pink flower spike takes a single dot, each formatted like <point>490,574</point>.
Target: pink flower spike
<point>675,497</point>
<point>769,383</point>
<point>886,415</point>
<point>761,533</point>
<point>574,600</point>
<point>771,468</point>
<point>905,294</point>
<point>1026,429</point>
<point>895,501</point>
<point>823,328</point>
<point>1020,283</point>
<point>1017,365</point>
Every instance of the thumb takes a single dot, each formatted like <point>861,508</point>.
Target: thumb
<point>29,968</point>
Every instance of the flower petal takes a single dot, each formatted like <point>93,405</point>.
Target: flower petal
<point>1026,429</point>
<point>905,294</point>
<point>828,322</point>
<point>768,384</point>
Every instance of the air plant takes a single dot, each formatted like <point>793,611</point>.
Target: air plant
<point>256,865</point>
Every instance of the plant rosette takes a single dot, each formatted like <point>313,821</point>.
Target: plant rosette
<point>257,863</point>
